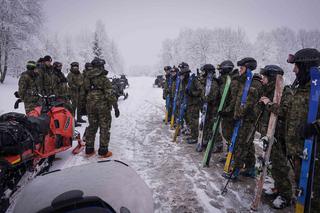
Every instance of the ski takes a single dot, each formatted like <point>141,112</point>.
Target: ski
<point>308,156</point>
<point>270,140</point>
<point>174,108</point>
<point>239,122</point>
<point>166,119</point>
<point>207,155</point>
<point>204,113</point>
<point>183,108</point>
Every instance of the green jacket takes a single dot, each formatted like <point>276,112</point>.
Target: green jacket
<point>28,87</point>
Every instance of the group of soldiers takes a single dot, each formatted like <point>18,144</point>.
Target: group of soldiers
<point>291,128</point>
<point>88,93</point>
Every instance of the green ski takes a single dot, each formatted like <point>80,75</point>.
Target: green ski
<point>215,129</point>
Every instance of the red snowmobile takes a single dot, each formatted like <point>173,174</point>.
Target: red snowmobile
<point>28,143</point>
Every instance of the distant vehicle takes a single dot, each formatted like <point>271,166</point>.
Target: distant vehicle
<point>159,82</point>
<point>105,186</point>
<point>119,85</point>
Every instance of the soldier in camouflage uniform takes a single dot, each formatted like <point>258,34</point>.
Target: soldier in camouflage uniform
<point>227,123</point>
<point>166,90</point>
<point>212,99</point>
<point>47,79</point>
<point>193,104</point>
<point>100,100</point>
<point>28,88</point>
<point>61,90</point>
<point>279,167</point>
<point>292,126</point>
<point>75,82</point>
<point>244,153</point>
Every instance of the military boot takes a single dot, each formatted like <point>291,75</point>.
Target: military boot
<point>104,152</point>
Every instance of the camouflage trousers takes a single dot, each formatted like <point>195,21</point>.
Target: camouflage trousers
<point>192,120</point>
<point>280,170</point>
<point>76,104</point>
<point>99,116</point>
<point>207,133</point>
<point>244,152</point>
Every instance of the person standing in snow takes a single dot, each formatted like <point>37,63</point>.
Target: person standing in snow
<point>100,100</point>
<point>166,90</point>
<point>244,153</point>
<point>28,88</point>
<point>292,127</point>
<point>75,82</point>
<point>174,74</point>
<point>193,99</point>
<point>212,99</point>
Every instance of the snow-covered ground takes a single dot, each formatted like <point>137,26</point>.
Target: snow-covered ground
<point>171,170</point>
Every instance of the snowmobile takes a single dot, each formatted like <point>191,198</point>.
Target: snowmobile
<point>119,85</point>
<point>159,82</point>
<point>115,188</point>
<point>29,143</point>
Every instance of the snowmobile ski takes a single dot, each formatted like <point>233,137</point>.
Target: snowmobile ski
<point>270,140</point>
<point>207,155</point>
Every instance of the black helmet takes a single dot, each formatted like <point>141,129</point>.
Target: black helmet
<point>225,67</point>
<point>57,64</point>
<point>184,68</point>
<point>208,68</point>
<point>304,56</point>
<point>88,65</point>
<point>271,70</point>
<point>167,68</point>
<point>31,65</point>
<point>74,64</point>
<point>248,62</point>
<point>96,62</point>
<point>47,58</point>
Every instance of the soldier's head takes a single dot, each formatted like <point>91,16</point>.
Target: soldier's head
<point>74,66</point>
<point>167,70</point>
<point>207,68</point>
<point>57,65</point>
<point>88,66</point>
<point>47,60</point>
<point>246,63</point>
<point>31,65</point>
<point>269,73</point>
<point>174,71</point>
<point>225,67</point>
<point>184,70</point>
<point>303,60</point>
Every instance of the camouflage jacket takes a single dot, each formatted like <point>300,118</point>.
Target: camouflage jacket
<point>98,89</point>
<point>231,98</point>
<point>167,87</point>
<point>247,112</point>
<point>47,80</point>
<point>194,93</point>
<point>61,89</point>
<point>28,87</point>
<point>173,86</point>
<point>213,96</point>
<point>293,113</point>
<point>75,82</point>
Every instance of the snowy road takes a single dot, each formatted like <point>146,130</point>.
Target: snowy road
<point>171,170</point>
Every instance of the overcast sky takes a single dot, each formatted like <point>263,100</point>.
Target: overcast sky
<point>139,26</point>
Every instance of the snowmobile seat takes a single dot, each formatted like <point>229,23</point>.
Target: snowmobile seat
<point>41,124</point>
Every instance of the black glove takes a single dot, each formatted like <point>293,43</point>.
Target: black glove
<point>116,112</point>
<point>308,130</point>
<point>222,113</point>
<point>188,92</point>
<point>16,94</point>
